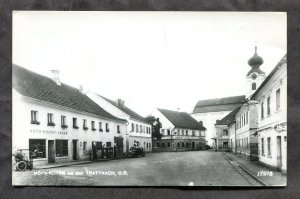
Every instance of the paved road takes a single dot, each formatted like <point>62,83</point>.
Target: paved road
<point>198,168</point>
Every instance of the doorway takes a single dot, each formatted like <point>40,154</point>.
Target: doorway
<point>279,152</point>
<point>75,150</point>
<point>51,151</point>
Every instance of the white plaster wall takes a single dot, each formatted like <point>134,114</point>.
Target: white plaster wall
<point>22,126</point>
<point>209,121</point>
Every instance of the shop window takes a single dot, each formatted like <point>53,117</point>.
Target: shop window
<point>50,119</point>
<point>132,127</point>
<point>93,126</point>
<point>269,106</point>
<point>75,126</point>
<point>34,117</point>
<point>106,127</point>
<point>37,148</point>
<point>100,127</point>
<point>278,99</point>
<point>85,125</point>
<point>84,146</point>
<point>269,146</point>
<point>61,147</point>
<point>64,122</point>
<point>118,129</point>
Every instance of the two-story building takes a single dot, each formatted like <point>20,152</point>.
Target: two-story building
<point>272,117</point>
<point>138,131</point>
<point>180,132</point>
<point>58,123</point>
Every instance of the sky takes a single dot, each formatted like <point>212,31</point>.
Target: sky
<point>150,59</point>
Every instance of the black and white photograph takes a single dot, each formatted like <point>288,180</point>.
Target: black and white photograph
<point>166,98</point>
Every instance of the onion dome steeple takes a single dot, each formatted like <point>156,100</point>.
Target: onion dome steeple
<point>255,60</point>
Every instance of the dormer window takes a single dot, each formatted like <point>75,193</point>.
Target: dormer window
<point>50,119</point>
<point>34,117</point>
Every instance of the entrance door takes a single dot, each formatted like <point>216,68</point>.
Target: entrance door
<point>51,151</point>
<point>74,149</point>
<point>279,156</point>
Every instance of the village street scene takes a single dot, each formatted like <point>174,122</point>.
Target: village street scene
<point>125,131</point>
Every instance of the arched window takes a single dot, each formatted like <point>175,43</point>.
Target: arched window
<point>254,86</point>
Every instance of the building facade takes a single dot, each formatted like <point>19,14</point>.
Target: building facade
<point>211,110</point>
<point>272,117</point>
<point>57,123</point>
<point>180,132</point>
<point>138,131</point>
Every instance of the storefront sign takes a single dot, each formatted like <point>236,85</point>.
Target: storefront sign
<point>280,127</point>
<point>49,132</point>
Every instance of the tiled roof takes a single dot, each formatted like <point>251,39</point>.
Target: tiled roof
<point>39,87</point>
<point>219,104</point>
<point>283,60</point>
<point>228,118</point>
<point>181,120</point>
<point>126,110</point>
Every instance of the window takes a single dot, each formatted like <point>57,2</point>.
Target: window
<point>84,146</point>
<point>162,131</point>
<point>144,129</point>
<point>247,117</point>
<point>63,122</point>
<point>262,147</point>
<point>118,129</point>
<point>106,127</point>
<point>38,148</point>
<point>141,129</point>
<point>253,86</point>
<point>132,127</point>
<point>269,146</point>
<point>193,133</point>
<point>187,144</point>
<point>85,125</point>
<point>278,99</point>
<point>268,106</point>
<point>169,132</point>
<point>137,128</point>
<point>178,144</point>
<point>61,148</point>
<point>100,127</point>
<point>108,144</point>
<point>163,144</point>
<point>247,143</point>
<point>93,126</point>
<point>50,119</point>
<point>262,110</point>
<point>182,132</point>
<point>149,145</point>
<point>225,132</point>
<point>182,144</point>
<point>187,133</point>
<point>75,123</point>
<point>157,144</point>
<point>169,144</point>
<point>34,117</point>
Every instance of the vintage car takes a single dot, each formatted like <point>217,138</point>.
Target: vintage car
<point>134,152</point>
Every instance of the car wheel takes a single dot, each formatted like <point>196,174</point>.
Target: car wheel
<point>21,166</point>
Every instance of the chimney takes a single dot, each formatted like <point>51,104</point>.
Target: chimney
<point>55,76</point>
<point>120,102</point>
<point>201,123</point>
<point>80,88</point>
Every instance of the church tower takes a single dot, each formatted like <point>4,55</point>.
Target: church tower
<point>255,76</point>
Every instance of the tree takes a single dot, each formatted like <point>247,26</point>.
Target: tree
<point>156,126</point>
